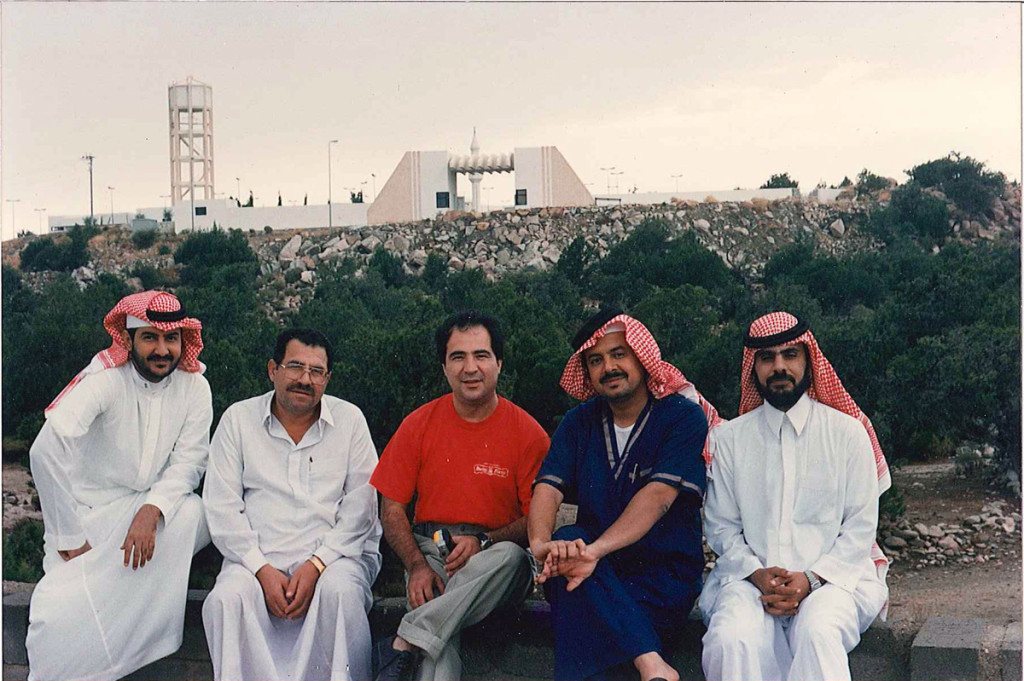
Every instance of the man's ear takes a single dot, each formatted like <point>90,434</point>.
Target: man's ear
<point>271,366</point>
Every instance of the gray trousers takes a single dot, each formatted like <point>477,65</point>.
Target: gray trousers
<point>490,579</point>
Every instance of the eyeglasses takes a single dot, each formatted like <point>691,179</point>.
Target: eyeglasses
<point>295,370</point>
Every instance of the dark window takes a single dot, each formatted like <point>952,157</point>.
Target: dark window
<point>520,197</point>
<point>200,210</point>
<point>443,200</point>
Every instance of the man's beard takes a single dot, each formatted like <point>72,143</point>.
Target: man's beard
<point>783,401</point>
<point>144,371</point>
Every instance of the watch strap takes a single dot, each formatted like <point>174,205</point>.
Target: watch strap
<point>484,539</point>
<point>812,580</point>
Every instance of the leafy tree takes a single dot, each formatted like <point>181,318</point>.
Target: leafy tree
<point>780,181</point>
<point>203,251</point>
<point>868,182</point>
<point>356,197</point>
<point>962,179</point>
<point>60,254</point>
<point>845,183</point>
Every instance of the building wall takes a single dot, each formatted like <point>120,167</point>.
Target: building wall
<point>411,192</point>
<point>548,178</point>
<point>603,199</point>
<point>228,215</point>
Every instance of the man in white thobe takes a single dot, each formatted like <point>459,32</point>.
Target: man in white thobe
<point>123,447</point>
<point>792,512</point>
<point>289,505</point>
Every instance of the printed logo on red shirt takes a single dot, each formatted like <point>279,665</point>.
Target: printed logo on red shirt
<point>490,469</point>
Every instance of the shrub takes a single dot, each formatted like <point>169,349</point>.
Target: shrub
<point>144,238</point>
<point>63,256</point>
<point>23,552</point>
<point>780,181</point>
<point>164,249</point>
<point>868,182</point>
<point>150,276</point>
<point>962,179</point>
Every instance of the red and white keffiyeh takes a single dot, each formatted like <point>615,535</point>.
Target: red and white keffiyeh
<point>782,328</point>
<point>662,378</point>
<point>158,309</point>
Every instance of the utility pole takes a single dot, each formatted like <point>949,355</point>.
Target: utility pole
<point>14,220</point>
<point>40,211</point>
<point>330,203</point>
<point>676,178</point>
<point>608,170</point>
<point>92,217</point>
<point>111,204</point>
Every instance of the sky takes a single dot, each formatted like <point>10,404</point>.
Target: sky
<point>721,95</point>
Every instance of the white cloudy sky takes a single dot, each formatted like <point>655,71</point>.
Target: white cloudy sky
<point>724,94</point>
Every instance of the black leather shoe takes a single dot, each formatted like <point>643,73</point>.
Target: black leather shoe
<point>393,665</point>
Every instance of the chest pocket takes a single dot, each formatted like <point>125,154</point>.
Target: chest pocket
<point>817,501</point>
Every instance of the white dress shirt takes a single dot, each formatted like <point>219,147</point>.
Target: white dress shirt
<point>270,500</point>
<point>795,489</point>
<point>116,434</point>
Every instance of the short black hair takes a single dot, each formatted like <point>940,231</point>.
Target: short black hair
<point>310,337</point>
<point>593,324</point>
<point>465,320</point>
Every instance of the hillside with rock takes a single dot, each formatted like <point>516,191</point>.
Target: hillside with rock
<point>744,235</point>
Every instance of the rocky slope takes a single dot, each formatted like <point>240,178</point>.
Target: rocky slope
<point>744,235</point>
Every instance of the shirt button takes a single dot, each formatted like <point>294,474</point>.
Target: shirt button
<point>447,460</point>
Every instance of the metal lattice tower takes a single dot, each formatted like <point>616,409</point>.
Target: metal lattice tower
<point>191,136</point>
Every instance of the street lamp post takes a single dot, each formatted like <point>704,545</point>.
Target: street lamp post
<point>374,177</point>
<point>238,188</point>
<point>676,178</point>
<point>616,174</point>
<point>330,203</point>
<point>609,177</point>
<point>92,217</point>
<point>14,219</point>
<point>40,211</point>
<point>111,204</point>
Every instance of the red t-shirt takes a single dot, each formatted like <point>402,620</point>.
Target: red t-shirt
<point>464,472</point>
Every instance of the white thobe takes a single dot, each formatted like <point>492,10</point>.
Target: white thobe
<point>111,445</point>
<point>270,500</point>
<point>797,490</point>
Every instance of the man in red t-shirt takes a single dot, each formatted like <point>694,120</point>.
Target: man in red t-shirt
<point>469,458</point>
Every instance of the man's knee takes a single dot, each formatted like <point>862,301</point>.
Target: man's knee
<point>230,594</point>
<point>738,622</point>
<point>571,533</point>
<point>827,617</point>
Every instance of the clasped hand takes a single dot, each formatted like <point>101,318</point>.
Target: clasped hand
<point>782,590</point>
<point>288,598</point>
<point>574,560</point>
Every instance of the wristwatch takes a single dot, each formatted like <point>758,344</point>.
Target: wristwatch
<point>485,541</point>
<point>813,581</point>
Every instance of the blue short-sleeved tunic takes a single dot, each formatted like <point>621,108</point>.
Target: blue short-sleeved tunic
<point>612,617</point>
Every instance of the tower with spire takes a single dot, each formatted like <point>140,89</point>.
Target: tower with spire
<point>475,178</point>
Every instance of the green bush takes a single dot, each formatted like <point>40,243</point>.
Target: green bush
<point>63,256</point>
<point>780,181</point>
<point>963,180</point>
<point>23,552</point>
<point>150,277</point>
<point>868,182</point>
<point>292,275</point>
<point>202,252</point>
<point>144,238</point>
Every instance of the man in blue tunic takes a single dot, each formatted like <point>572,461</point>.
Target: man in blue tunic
<point>631,458</point>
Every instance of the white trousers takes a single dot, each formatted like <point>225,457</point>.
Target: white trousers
<point>332,640</point>
<point>744,643</point>
<point>92,618</point>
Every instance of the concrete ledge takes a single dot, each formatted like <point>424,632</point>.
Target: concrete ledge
<point>510,644</point>
<point>954,648</point>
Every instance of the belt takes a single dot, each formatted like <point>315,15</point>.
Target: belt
<point>428,529</point>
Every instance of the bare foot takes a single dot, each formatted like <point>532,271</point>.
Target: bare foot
<point>653,666</point>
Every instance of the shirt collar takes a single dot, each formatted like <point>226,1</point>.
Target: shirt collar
<point>325,413</point>
<point>147,386</point>
<point>797,415</point>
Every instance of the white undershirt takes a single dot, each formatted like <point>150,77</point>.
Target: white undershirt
<point>622,437</point>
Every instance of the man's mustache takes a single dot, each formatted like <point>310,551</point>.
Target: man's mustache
<point>160,358</point>
<point>611,376</point>
<point>780,376</point>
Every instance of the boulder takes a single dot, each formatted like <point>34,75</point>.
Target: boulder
<point>291,249</point>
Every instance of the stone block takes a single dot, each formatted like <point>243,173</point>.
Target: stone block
<point>947,649</point>
<point>15,628</point>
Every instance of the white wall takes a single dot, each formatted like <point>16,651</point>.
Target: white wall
<point>529,174</point>
<point>62,222</point>
<point>603,199</point>
<point>434,177</point>
<point>228,215</point>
